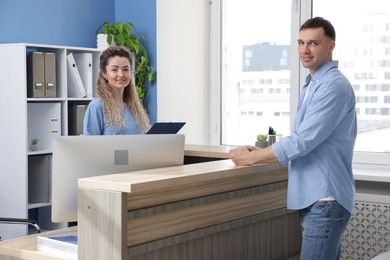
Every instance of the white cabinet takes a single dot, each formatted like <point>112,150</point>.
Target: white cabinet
<point>43,123</point>
<point>25,174</point>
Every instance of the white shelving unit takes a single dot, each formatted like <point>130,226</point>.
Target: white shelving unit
<point>25,175</point>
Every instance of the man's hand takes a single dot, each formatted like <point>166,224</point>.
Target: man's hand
<point>242,155</point>
<point>250,155</point>
<point>251,147</point>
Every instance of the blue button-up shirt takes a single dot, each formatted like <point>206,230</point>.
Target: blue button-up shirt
<point>320,149</point>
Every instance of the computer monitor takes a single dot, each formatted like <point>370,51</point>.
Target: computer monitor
<point>77,157</point>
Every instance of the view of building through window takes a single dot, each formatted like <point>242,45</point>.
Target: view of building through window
<point>256,67</point>
<point>363,52</point>
<point>255,70</point>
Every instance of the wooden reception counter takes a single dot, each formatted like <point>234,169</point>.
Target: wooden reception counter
<point>204,210</point>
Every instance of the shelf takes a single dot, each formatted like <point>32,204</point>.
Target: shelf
<point>38,205</point>
<point>79,99</point>
<point>36,113</point>
<point>39,152</point>
<point>31,99</point>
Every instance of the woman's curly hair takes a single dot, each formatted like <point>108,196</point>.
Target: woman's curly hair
<point>113,115</point>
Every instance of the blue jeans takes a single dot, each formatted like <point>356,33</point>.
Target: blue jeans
<point>323,224</point>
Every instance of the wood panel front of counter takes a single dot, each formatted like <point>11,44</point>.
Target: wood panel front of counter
<point>211,210</point>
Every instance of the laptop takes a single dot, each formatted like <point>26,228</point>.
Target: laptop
<point>166,128</point>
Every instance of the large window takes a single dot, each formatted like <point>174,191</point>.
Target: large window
<point>256,69</point>
<point>261,77</point>
<point>362,48</point>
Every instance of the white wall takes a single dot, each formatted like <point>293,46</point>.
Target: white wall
<point>183,66</point>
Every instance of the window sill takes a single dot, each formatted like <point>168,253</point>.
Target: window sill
<point>376,173</point>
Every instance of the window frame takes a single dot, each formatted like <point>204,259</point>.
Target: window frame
<point>301,10</point>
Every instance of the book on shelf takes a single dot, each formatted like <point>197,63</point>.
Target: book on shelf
<point>75,84</point>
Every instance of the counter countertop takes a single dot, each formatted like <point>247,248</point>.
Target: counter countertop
<point>169,177</point>
<point>360,173</point>
<point>213,151</point>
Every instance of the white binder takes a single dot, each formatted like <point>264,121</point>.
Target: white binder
<point>75,84</point>
<point>84,65</point>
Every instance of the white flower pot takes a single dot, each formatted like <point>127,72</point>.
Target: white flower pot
<point>34,147</point>
<point>261,144</point>
<point>101,40</point>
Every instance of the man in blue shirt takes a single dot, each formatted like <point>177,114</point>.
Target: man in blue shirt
<point>319,151</point>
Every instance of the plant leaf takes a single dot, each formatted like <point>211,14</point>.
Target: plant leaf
<point>119,40</point>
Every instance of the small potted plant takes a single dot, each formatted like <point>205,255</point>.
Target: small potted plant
<point>34,144</point>
<point>261,141</point>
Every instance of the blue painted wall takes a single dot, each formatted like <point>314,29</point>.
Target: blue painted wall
<point>74,23</point>
<point>69,23</point>
<point>142,14</point>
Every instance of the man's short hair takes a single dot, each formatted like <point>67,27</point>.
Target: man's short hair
<point>318,22</point>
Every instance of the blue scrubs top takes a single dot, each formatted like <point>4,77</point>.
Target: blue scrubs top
<point>94,123</point>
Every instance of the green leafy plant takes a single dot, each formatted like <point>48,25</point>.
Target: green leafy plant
<point>261,138</point>
<point>34,141</point>
<point>121,34</point>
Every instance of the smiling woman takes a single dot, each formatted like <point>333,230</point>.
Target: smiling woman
<point>122,34</point>
<point>118,109</point>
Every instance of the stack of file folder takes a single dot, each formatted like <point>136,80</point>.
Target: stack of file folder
<point>42,75</point>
